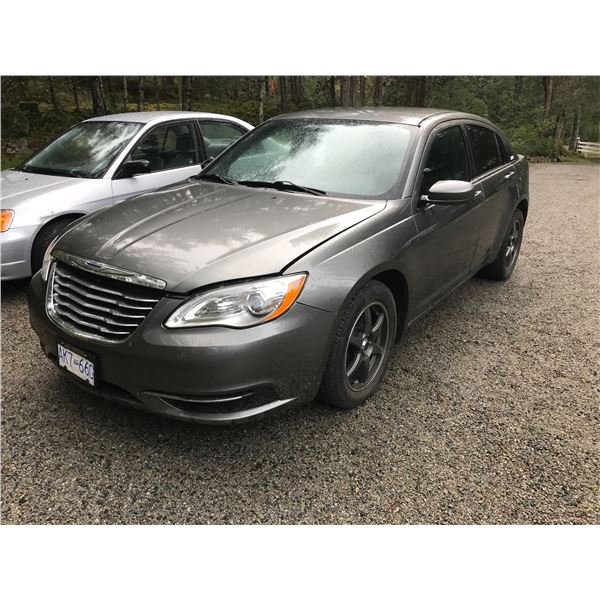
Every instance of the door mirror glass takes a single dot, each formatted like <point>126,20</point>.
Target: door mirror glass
<point>450,192</point>
<point>134,167</point>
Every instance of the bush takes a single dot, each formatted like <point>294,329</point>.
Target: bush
<point>531,141</point>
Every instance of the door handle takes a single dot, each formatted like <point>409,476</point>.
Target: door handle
<point>477,194</point>
<point>509,175</point>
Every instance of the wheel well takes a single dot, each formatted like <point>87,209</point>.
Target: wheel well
<point>396,282</point>
<point>523,206</point>
<point>69,216</point>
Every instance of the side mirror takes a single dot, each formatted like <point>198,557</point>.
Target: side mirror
<point>134,167</point>
<point>450,192</point>
<point>206,162</point>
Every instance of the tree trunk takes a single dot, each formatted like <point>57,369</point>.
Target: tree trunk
<point>332,98</point>
<point>363,89</point>
<point>548,91</point>
<point>518,87</point>
<point>575,129</point>
<point>420,91</point>
<point>261,100</point>
<point>559,127</point>
<point>283,93</point>
<point>186,93</point>
<point>53,99</point>
<point>125,95</point>
<point>345,91</point>
<point>298,90</point>
<point>157,92</point>
<point>75,95</point>
<point>140,97</point>
<point>353,91</point>
<point>93,85</point>
<point>102,96</point>
<point>378,91</point>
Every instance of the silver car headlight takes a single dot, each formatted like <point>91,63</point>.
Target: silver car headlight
<point>240,305</point>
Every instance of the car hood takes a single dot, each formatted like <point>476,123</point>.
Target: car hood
<point>18,187</point>
<point>195,233</point>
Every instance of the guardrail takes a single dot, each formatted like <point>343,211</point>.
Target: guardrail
<point>589,149</point>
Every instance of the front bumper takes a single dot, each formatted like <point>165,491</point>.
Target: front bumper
<point>206,375</point>
<point>15,252</point>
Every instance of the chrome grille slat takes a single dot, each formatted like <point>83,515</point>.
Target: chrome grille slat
<point>110,299</point>
<point>111,311</point>
<point>73,286</point>
<point>99,327</point>
<point>90,306</point>
<point>108,290</point>
<point>76,310</point>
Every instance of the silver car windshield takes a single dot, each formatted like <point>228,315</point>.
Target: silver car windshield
<point>356,159</point>
<point>85,150</point>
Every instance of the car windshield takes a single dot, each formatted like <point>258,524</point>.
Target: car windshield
<point>356,159</point>
<point>85,150</point>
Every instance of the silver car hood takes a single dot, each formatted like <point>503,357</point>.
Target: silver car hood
<point>197,233</point>
<point>17,187</point>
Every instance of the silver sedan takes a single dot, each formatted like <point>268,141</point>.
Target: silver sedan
<point>98,163</point>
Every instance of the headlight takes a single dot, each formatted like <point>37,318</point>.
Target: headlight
<point>240,305</point>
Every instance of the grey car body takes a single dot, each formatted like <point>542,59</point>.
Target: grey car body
<point>42,201</point>
<point>198,235</point>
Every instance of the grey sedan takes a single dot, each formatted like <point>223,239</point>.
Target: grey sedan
<point>98,163</point>
<point>287,269</point>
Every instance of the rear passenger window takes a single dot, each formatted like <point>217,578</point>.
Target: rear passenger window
<point>217,135</point>
<point>447,159</point>
<point>505,149</point>
<point>486,153</point>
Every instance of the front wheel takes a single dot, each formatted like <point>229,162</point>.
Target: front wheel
<point>361,347</point>
<point>505,261</point>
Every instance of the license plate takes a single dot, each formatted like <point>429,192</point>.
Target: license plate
<point>77,364</point>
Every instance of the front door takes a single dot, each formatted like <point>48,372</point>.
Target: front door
<point>447,235</point>
<point>173,153</point>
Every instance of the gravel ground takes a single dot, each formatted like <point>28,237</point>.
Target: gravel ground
<point>489,413</point>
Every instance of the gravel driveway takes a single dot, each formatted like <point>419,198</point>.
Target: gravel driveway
<point>489,413</point>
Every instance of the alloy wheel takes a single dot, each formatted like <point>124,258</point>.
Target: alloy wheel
<point>367,345</point>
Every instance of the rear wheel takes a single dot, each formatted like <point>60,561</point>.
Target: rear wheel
<point>361,348</point>
<point>506,259</point>
<point>43,240</point>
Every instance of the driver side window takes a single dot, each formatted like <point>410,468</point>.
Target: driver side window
<point>447,159</point>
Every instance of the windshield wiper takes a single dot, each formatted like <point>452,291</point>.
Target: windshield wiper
<point>215,177</point>
<point>284,186</point>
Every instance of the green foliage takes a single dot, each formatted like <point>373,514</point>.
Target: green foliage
<point>531,141</point>
<point>30,111</point>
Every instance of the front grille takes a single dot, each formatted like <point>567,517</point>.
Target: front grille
<point>96,307</point>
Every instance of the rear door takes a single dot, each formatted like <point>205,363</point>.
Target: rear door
<point>494,170</point>
<point>173,152</point>
<point>447,235</point>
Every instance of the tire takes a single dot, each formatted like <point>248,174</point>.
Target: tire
<point>43,240</point>
<point>338,388</point>
<point>505,261</point>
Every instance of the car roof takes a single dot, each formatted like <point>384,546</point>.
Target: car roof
<point>160,115</point>
<point>409,115</point>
